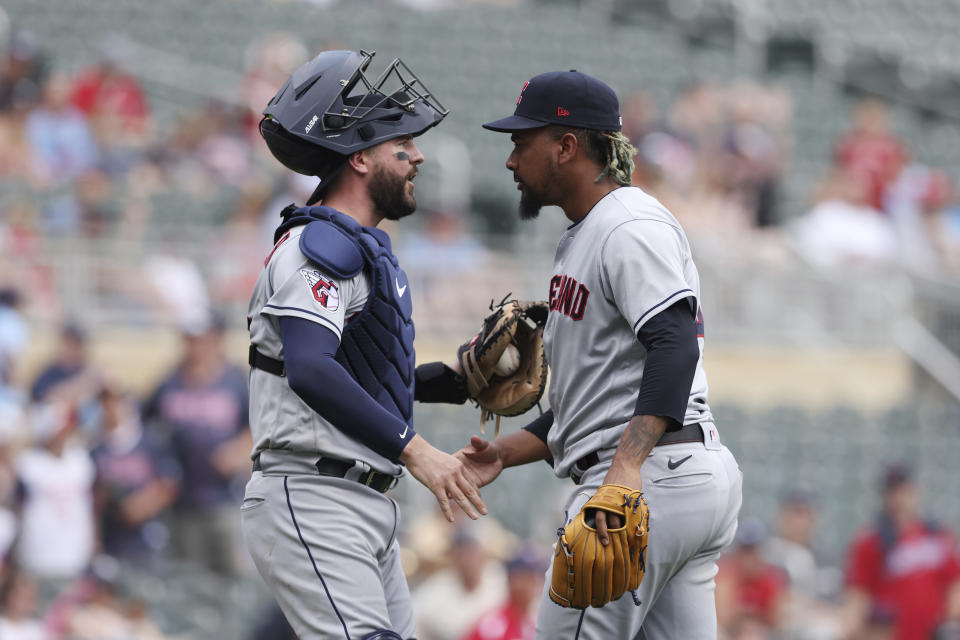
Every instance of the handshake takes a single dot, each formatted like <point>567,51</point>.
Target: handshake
<point>600,553</point>
<point>504,371</point>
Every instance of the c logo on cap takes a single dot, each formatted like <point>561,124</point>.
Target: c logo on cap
<point>522,89</point>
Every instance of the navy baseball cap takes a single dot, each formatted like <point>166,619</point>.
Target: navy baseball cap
<point>567,98</point>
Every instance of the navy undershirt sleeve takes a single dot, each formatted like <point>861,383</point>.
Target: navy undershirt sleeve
<point>541,425</point>
<point>670,338</point>
<point>314,374</point>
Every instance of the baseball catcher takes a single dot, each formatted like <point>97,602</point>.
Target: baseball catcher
<point>333,367</point>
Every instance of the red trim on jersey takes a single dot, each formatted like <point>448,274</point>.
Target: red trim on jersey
<point>282,239</point>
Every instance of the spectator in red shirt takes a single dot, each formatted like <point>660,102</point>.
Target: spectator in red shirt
<point>903,563</point>
<point>113,100</point>
<point>516,619</point>
<point>871,151</point>
<point>749,587</point>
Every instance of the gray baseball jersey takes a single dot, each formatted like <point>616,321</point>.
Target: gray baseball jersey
<point>292,285</point>
<point>627,260</point>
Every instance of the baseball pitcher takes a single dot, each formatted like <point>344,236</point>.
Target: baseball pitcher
<point>657,494</point>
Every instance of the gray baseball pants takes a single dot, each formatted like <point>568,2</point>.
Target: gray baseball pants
<point>693,517</point>
<point>328,551</point>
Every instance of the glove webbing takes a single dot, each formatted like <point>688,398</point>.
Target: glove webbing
<point>483,383</point>
<point>473,373</point>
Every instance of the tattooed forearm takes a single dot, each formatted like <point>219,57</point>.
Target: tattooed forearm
<point>637,440</point>
<point>640,436</point>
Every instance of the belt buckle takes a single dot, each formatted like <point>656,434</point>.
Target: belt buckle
<point>373,475</point>
<point>391,484</point>
<point>357,471</point>
<point>576,474</point>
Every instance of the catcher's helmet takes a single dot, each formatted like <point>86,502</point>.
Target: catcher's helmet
<point>329,109</point>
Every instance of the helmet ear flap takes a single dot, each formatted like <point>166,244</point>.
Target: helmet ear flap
<point>295,153</point>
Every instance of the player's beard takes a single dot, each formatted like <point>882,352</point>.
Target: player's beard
<point>388,192</point>
<point>531,200</point>
<point>530,204</point>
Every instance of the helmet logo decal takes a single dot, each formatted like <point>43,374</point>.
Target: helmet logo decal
<point>312,122</point>
<point>522,89</point>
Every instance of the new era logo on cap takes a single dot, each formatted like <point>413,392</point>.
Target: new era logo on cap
<point>586,102</point>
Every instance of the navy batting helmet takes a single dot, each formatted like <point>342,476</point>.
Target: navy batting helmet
<point>329,109</point>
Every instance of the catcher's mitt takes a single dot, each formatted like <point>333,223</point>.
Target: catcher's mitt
<point>511,323</point>
<point>588,574</point>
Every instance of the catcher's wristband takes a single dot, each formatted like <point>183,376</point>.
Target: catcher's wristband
<point>436,382</point>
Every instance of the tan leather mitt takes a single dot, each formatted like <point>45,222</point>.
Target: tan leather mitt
<point>510,323</point>
<point>588,574</point>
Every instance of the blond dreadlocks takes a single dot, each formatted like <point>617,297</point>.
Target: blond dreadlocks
<point>619,156</point>
<point>609,149</point>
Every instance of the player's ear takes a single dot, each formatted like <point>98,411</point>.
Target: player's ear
<point>360,161</point>
<point>567,147</point>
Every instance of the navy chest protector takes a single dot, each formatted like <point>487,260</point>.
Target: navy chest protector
<point>376,346</point>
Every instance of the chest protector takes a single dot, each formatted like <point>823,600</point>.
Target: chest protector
<point>376,346</point>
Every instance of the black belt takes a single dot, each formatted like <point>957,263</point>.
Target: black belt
<point>271,365</point>
<point>687,433</point>
<point>380,482</point>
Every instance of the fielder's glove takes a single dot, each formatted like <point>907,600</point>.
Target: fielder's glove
<point>511,323</point>
<point>588,574</point>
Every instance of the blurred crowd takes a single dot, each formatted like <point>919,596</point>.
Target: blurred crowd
<point>84,159</point>
<point>93,479</point>
<point>718,157</point>
<point>878,205</point>
<point>721,157</point>
<point>900,579</point>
